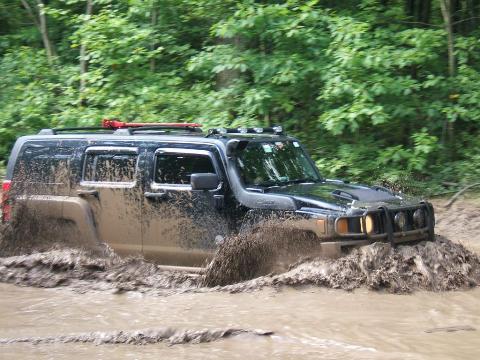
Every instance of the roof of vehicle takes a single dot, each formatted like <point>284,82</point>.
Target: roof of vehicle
<point>216,137</point>
<point>199,139</point>
<point>113,129</point>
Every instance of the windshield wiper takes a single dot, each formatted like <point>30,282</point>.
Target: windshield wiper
<point>301,181</point>
<point>272,184</point>
<point>265,185</point>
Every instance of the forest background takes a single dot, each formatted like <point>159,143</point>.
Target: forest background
<point>379,90</point>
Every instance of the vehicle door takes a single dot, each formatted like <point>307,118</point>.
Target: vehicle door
<point>181,226</point>
<point>111,184</point>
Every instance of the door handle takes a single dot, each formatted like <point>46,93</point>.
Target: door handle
<point>156,195</point>
<point>86,193</point>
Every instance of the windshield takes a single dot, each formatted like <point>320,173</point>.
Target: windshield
<point>275,163</point>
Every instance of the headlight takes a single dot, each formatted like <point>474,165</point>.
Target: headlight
<point>369,224</point>
<point>400,220</point>
<point>342,226</point>
<point>419,218</point>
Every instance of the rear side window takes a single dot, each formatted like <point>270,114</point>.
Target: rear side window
<point>177,168</point>
<point>110,167</point>
<point>44,165</point>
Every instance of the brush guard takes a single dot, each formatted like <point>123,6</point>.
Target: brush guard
<point>387,229</point>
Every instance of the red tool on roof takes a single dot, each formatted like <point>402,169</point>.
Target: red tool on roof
<point>116,124</point>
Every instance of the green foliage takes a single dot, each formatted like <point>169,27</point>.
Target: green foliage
<point>363,84</point>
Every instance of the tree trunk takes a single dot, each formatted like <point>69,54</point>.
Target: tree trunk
<point>419,11</point>
<point>44,30</point>
<point>446,7</point>
<point>425,11</point>
<point>473,12</point>
<point>226,78</point>
<point>456,13</point>
<point>83,58</point>
<point>40,21</point>
<point>153,23</point>
<point>267,120</point>
<point>410,7</point>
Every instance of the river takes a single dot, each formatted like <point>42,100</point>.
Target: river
<point>308,323</point>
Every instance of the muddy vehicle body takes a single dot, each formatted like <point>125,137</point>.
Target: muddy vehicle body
<point>173,193</point>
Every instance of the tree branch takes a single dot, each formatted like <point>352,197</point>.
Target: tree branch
<point>455,197</point>
<point>463,20</point>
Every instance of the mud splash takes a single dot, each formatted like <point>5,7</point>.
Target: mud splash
<point>81,271</point>
<point>270,247</point>
<point>434,266</point>
<point>140,337</point>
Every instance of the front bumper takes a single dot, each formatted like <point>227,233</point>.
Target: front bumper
<point>384,226</point>
<point>333,248</point>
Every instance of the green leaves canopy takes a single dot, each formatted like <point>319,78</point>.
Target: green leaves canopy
<point>363,84</point>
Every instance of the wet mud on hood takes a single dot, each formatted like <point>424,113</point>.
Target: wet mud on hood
<point>336,195</point>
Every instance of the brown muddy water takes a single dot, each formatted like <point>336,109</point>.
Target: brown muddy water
<point>109,309</point>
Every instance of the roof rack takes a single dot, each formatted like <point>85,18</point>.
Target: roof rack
<point>110,126</point>
<point>275,130</point>
<point>86,129</point>
<point>115,124</point>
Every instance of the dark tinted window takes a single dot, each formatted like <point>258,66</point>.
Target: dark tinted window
<point>110,167</point>
<point>44,165</point>
<point>177,168</point>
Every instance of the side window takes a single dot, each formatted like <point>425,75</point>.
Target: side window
<point>177,168</point>
<point>44,165</point>
<point>110,167</point>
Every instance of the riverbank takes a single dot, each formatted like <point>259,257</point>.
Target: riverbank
<point>460,222</point>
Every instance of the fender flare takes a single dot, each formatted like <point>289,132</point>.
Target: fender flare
<point>65,207</point>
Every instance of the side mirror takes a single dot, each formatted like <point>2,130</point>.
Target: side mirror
<point>204,181</point>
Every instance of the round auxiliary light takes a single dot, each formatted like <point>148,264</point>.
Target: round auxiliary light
<point>242,130</point>
<point>277,129</point>
<point>342,226</point>
<point>221,131</point>
<point>369,224</point>
<point>400,220</point>
<point>258,130</point>
<point>419,218</point>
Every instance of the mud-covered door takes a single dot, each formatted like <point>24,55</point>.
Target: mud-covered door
<point>181,226</point>
<point>111,185</point>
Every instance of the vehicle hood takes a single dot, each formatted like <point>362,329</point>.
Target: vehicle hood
<point>337,195</point>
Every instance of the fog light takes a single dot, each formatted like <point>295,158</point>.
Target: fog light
<point>342,226</point>
<point>419,218</point>
<point>369,224</point>
<point>242,130</point>
<point>258,130</point>
<point>400,221</point>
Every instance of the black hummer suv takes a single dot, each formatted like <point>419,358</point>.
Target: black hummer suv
<point>173,192</point>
